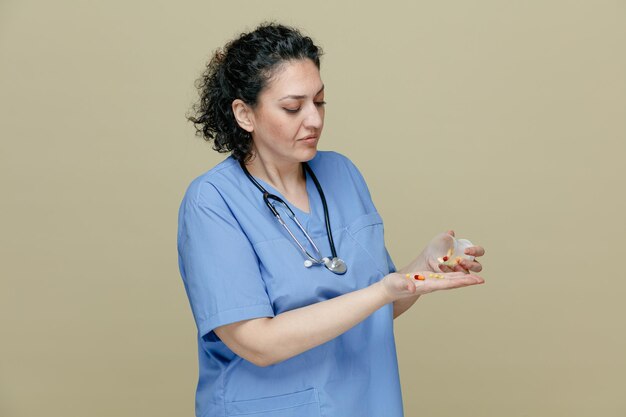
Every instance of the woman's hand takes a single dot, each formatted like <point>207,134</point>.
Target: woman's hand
<point>463,274</point>
<point>398,286</point>
<point>438,247</point>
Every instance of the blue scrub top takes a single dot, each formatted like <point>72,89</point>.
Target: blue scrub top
<point>237,262</point>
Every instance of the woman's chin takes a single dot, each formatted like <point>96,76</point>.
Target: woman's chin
<point>310,154</point>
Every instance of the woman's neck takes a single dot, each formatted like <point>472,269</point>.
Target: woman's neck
<point>288,178</point>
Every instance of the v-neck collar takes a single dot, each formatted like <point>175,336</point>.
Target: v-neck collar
<point>310,187</point>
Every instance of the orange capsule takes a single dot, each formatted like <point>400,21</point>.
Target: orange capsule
<point>420,277</point>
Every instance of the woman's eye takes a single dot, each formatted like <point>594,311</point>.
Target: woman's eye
<point>297,109</point>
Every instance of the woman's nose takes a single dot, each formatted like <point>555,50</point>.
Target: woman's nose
<point>315,117</point>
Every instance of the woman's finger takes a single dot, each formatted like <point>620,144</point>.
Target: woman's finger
<point>471,265</point>
<point>437,282</point>
<point>475,251</point>
<point>466,279</point>
<point>451,281</point>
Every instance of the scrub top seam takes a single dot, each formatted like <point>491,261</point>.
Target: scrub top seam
<point>229,208</point>
<point>358,242</point>
<point>274,409</point>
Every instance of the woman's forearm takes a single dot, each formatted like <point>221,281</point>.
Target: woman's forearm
<point>299,330</point>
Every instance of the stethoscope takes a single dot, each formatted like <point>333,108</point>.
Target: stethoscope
<point>333,264</point>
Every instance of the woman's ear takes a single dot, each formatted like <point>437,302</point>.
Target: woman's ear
<point>243,115</point>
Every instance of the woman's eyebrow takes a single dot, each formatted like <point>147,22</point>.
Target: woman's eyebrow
<point>299,96</point>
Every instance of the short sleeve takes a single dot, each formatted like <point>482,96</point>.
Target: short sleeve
<point>217,262</point>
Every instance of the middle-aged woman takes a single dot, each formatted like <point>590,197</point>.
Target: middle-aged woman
<point>289,326</point>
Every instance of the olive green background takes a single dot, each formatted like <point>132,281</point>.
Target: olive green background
<point>505,121</point>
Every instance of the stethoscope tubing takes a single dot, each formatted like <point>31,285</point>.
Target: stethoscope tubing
<point>326,217</point>
<point>335,264</point>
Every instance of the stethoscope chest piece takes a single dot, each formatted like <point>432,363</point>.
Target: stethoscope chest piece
<point>336,265</point>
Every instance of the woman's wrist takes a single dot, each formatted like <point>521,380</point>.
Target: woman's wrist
<point>383,293</point>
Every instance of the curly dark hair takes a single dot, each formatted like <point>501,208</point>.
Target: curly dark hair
<point>240,70</point>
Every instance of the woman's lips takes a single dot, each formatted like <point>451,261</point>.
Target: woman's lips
<point>309,139</point>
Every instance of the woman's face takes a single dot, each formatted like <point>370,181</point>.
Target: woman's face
<point>289,116</point>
